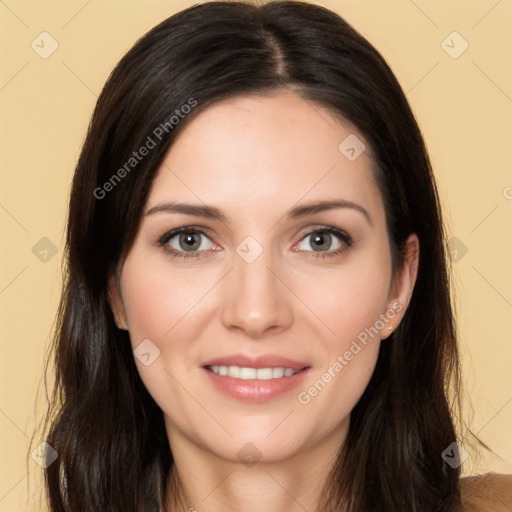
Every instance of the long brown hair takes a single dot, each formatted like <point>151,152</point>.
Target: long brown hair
<point>113,451</point>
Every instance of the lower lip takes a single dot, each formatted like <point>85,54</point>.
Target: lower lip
<point>254,390</point>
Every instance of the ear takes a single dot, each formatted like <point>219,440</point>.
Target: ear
<point>116,303</point>
<point>402,286</point>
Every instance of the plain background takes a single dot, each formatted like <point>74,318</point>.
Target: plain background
<point>464,108</point>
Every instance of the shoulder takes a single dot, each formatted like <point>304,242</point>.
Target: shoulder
<point>491,492</point>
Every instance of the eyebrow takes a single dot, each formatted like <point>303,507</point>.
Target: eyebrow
<point>211,212</point>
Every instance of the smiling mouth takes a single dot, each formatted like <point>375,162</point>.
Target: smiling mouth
<point>247,373</point>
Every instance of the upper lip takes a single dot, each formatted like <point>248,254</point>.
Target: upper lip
<point>260,361</point>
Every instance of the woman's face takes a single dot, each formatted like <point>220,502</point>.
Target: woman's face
<point>269,275</point>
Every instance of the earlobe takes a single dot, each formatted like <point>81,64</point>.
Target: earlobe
<point>116,304</point>
<point>403,285</point>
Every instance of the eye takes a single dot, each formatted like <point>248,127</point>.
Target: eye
<point>326,242</point>
<point>186,242</point>
<point>190,242</point>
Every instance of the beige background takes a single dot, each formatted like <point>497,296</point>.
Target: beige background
<point>463,104</point>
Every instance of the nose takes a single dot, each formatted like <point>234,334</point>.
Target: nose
<point>257,300</point>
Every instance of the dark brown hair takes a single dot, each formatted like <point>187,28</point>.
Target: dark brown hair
<point>113,451</point>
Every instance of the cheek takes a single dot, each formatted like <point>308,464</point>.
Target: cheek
<point>349,354</point>
<point>161,306</point>
<point>351,298</point>
<point>157,300</point>
<point>352,303</point>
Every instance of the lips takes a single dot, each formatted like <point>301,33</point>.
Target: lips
<point>255,390</point>
<point>260,361</point>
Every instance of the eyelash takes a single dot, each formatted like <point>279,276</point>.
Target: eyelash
<point>344,237</point>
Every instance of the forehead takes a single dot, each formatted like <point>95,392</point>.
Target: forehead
<point>267,153</point>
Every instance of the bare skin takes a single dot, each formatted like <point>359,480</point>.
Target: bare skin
<point>255,159</point>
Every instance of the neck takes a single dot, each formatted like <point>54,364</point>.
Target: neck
<point>207,482</point>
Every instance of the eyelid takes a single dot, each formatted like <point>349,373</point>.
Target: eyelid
<point>328,229</point>
<point>183,229</point>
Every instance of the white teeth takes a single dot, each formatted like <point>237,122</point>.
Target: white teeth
<point>265,373</point>
<point>277,373</point>
<point>253,373</point>
<point>244,373</point>
<point>234,371</point>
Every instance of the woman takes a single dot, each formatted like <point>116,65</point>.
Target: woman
<point>256,314</point>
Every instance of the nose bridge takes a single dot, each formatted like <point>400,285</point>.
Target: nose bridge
<point>256,300</point>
